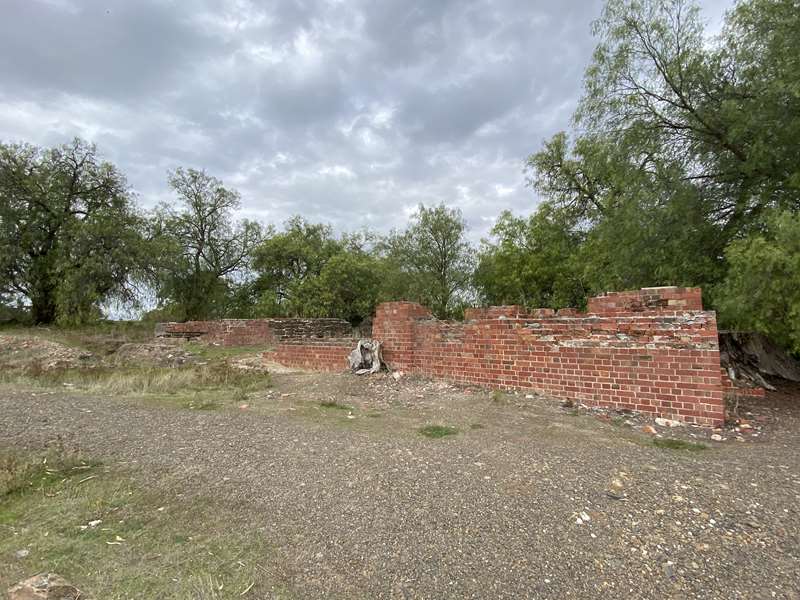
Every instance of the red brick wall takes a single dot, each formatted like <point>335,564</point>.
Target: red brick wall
<point>327,355</point>
<point>654,350</point>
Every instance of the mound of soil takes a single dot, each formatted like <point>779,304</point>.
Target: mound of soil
<point>26,352</point>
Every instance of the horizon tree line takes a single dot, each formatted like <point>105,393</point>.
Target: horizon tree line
<point>682,166</point>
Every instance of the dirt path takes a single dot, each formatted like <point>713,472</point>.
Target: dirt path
<point>531,502</point>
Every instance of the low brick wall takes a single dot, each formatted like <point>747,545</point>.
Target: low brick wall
<point>318,355</point>
<point>653,350</point>
<point>254,332</point>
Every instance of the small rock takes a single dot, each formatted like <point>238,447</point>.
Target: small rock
<point>669,570</point>
<point>661,422</point>
<point>649,429</point>
<point>44,586</point>
<point>717,437</point>
<point>20,554</point>
<point>397,375</point>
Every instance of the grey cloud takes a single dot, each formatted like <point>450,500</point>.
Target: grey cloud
<point>350,112</point>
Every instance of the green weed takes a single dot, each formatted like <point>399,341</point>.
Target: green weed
<point>438,431</point>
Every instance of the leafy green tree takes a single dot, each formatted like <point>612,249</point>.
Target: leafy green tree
<point>762,289</point>
<point>70,237</point>
<point>727,113</point>
<point>431,262</point>
<point>348,287</point>
<point>306,271</point>
<point>205,253</point>
<point>287,261</point>
<point>532,262</point>
<point>684,143</point>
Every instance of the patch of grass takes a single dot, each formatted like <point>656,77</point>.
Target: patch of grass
<point>200,403</point>
<point>21,473</point>
<point>675,444</point>
<point>335,405</point>
<point>476,426</point>
<point>498,397</point>
<point>93,337</point>
<point>221,378</point>
<point>150,542</point>
<point>212,352</point>
<point>438,431</point>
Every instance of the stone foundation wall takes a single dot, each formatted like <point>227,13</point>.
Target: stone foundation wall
<point>254,332</point>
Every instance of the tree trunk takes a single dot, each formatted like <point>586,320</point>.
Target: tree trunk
<point>43,309</point>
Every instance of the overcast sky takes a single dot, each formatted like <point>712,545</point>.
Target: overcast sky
<point>349,112</point>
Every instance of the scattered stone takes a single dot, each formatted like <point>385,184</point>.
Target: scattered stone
<point>44,586</point>
<point>20,554</point>
<point>649,429</point>
<point>155,354</point>
<point>717,437</point>
<point>661,422</point>
<point>18,352</point>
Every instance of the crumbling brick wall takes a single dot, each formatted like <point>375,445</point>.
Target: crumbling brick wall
<point>653,350</point>
<point>253,332</point>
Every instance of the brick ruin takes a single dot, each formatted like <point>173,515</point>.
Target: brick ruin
<point>255,332</point>
<point>653,350</point>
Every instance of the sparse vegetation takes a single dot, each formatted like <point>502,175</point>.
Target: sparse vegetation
<point>438,431</point>
<point>499,397</point>
<point>128,381</point>
<point>335,405</point>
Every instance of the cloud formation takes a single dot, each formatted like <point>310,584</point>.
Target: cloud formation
<point>350,112</point>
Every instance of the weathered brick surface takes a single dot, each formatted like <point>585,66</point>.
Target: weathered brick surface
<point>253,332</point>
<point>321,355</point>
<point>654,350</point>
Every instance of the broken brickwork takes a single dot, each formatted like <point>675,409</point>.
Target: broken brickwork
<point>653,350</point>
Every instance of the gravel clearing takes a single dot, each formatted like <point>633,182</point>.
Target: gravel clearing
<point>527,501</point>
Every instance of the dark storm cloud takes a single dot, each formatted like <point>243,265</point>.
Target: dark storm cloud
<point>344,111</point>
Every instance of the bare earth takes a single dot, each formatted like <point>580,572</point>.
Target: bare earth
<point>357,504</point>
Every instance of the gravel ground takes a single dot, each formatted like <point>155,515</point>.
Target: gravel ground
<point>534,503</point>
